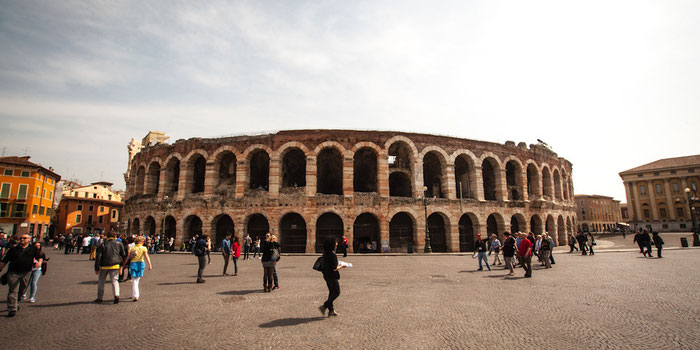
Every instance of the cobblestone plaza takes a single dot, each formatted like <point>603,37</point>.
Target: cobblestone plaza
<point>615,299</point>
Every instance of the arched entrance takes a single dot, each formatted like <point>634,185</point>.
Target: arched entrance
<point>222,225</point>
<point>329,171</point>
<point>136,227</point>
<point>536,224</point>
<point>193,226</point>
<point>327,225</point>
<point>436,230</point>
<point>466,233</point>
<point>517,223</point>
<point>492,225</point>
<point>401,233</point>
<point>293,232</point>
<point>170,226</point>
<point>561,230</point>
<point>549,226</point>
<point>257,227</point>
<point>365,170</point>
<point>366,237</point>
<point>149,226</point>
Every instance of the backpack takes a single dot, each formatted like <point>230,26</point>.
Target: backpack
<point>546,245</point>
<point>318,265</point>
<point>199,249</point>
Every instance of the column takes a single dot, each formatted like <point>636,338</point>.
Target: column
<point>670,203</point>
<point>450,184</point>
<point>501,185</point>
<point>523,182</point>
<point>275,175</point>
<point>211,177</point>
<point>652,199</point>
<point>241,178</point>
<point>311,176</point>
<point>383,174</point>
<point>348,171</point>
<point>479,188</point>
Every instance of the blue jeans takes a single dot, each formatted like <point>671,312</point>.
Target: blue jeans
<point>33,283</point>
<point>484,257</point>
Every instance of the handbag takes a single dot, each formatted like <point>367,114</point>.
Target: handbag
<point>275,254</point>
<point>318,265</point>
<point>3,279</point>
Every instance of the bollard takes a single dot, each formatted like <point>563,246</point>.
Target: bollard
<point>684,242</point>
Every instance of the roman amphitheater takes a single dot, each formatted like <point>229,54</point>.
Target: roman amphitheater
<point>382,189</point>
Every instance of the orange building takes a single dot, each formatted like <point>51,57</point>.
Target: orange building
<point>27,193</point>
<point>94,208</point>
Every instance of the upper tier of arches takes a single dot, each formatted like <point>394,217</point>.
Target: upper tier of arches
<point>394,168</point>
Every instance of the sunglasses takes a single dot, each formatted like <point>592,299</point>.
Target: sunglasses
<point>24,238</point>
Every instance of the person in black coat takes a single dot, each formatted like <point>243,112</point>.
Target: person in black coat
<point>638,239</point>
<point>658,242</point>
<point>331,275</point>
<point>646,243</point>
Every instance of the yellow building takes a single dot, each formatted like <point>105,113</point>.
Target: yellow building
<point>26,196</point>
<point>596,213</point>
<point>656,193</point>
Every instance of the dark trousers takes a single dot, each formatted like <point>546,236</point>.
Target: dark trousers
<point>641,247</point>
<point>527,264</point>
<point>647,250</point>
<point>235,264</point>
<point>246,251</point>
<point>202,264</point>
<point>658,251</point>
<point>551,257</point>
<point>226,256</point>
<point>17,286</point>
<point>274,276</point>
<point>572,246</point>
<point>267,277</point>
<point>333,293</point>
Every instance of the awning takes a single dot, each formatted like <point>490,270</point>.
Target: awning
<point>622,224</point>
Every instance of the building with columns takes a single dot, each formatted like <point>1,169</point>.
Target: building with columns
<point>382,189</point>
<point>597,213</point>
<point>656,196</point>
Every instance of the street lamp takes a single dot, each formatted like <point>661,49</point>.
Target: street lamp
<point>427,249</point>
<point>166,205</point>
<point>691,202</point>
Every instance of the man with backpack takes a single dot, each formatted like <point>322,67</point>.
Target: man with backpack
<point>200,251</point>
<point>545,251</point>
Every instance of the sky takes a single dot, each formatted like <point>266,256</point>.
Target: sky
<point>609,85</point>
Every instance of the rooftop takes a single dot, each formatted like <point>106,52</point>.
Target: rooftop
<point>24,161</point>
<point>677,162</point>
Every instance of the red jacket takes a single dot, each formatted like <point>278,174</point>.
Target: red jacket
<point>236,250</point>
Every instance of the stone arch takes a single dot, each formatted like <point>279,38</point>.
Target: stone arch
<point>438,228</point>
<point>534,190</point>
<point>465,173</point>
<point>557,185</point>
<point>402,232</point>
<point>365,169</point>
<point>468,228</point>
<point>292,229</point>
<point>293,166</point>
<point>226,163</point>
<point>518,223</point>
<point>550,225</point>
<point>547,185</point>
<point>172,173</point>
<point>170,227</point>
<point>366,234</point>
<point>536,226</point>
<point>561,230</point>
<point>196,168</point>
<point>491,177</point>
<point>434,161</point>
<point>140,179</point>
<point>136,226</point>
<point>149,226</point>
<point>257,225</point>
<point>565,186</point>
<point>495,224</point>
<point>568,226</point>
<point>329,169</point>
<point>192,226</point>
<point>258,161</point>
<point>328,224</point>
<point>402,155</point>
<point>221,225</point>
<point>514,178</point>
<point>153,181</point>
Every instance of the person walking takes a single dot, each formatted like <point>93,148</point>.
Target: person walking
<point>331,275</point>
<point>246,246</point>
<point>226,251</point>
<point>495,247</point>
<point>638,240</point>
<point>137,254</point>
<point>343,245</point>
<point>36,273</point>
<point>94,241</point>
<point>572,243</point>
<point>658,242</point>
<point>581,238</point>
<point>268,263</point>
<point>108,260</point>
<point>235,254</point>
<point>545,251</point>
<point>171,244</point>
<point>525,253</point>
<point>200,251</point>
<point>257,248</point>
<point>208,239</point>
<point>590,242</point>
<point>508,252</point>
<point>480,249</point>
<point>21,259</point>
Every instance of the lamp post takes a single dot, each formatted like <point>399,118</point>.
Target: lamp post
<point>428,248</point>
<point>166,205</point>
<point>691,203</point>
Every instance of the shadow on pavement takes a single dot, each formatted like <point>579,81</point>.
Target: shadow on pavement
<point>241,292</point>
<point>285,322</point>
<point>71,303</point>
<point>175,283</point>
<point>92,282</point>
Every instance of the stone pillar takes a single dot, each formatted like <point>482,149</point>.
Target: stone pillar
<point>418,178</point>
<point>479,189</point>
<point>348,171</point>
<point>651,190</point>
<point>383,230</point>
<point>275,175</point>
<point>211,178</point>
<point>311,176</point>
<point>555,234</point>
<point>637,201</point>
<point>182,185</point>
<point>242,177</point>
<point>501,185</point>
<point>523,185</point>
<point>162,177</point>
<point>420,233</point>
<point>670,204</point>
<point>383,174</point>
<point>452,236</point>
<point>449,180</point>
